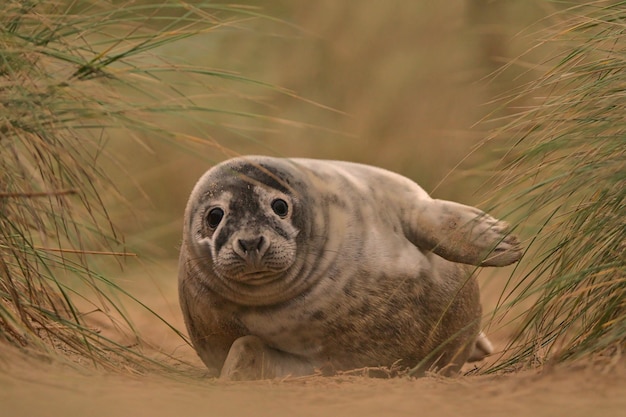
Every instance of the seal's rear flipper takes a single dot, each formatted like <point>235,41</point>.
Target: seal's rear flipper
<point>463,234</point>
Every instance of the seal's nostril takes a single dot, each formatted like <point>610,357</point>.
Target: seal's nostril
<point>251,245</point>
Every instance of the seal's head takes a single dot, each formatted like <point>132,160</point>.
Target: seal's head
<point>246,221</point>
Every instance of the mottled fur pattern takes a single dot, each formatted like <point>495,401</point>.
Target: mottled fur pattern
<point>358,268</point>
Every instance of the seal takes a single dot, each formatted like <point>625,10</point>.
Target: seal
<point>294,266</point>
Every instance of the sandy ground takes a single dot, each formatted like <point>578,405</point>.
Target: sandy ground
<point>29,387</point>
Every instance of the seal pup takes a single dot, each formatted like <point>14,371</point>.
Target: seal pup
<point>290,266</point>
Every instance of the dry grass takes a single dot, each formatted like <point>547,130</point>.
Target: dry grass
<point>566,182</point>
<point>74,75</point>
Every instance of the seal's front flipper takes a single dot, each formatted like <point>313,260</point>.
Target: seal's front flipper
<point>464,234</point>
<point>250,358</point>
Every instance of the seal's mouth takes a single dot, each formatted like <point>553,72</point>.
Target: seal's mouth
<point>257,277</point>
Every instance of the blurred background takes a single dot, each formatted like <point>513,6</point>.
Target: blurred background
<point>405,85</point>
<point>111,109</point>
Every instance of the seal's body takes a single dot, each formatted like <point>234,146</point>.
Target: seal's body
<point>293,265</point>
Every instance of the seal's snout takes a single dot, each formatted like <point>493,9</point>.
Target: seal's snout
<point>251,248</point>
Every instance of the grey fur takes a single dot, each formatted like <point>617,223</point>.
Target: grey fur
<point>363,270</point>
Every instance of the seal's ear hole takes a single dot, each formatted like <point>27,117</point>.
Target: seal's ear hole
<point>280,207</point>
<point>214,217</point>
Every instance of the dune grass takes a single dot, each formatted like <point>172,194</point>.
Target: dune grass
<point>565,176</point>
<point>74,74</point>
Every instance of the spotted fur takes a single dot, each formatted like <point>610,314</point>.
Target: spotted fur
<point>362,269</point>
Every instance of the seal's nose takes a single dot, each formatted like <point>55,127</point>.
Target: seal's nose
<point>252,247</point>
<point>248,245</point>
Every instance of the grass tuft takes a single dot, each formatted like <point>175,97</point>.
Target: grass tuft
<point>74,74</point>
<point>565,176</point>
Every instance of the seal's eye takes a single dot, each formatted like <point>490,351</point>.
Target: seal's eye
<point>280,207</point>
<point>215,217</point>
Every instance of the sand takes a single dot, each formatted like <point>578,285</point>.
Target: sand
<point>31,387</point>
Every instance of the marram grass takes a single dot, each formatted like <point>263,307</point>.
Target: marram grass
<point>566,179</point>
<point>72,74</point>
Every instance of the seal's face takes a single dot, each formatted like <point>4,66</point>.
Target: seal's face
<point>249,234</point>
<point>245,229</point>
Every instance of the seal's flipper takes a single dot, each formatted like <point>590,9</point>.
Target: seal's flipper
<point>250,358</point>
<point>464,234</point>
